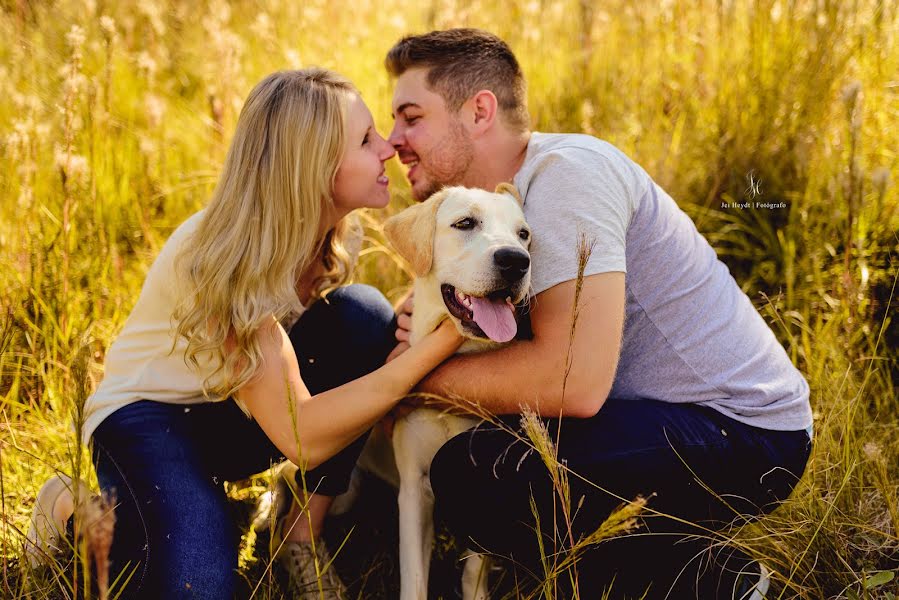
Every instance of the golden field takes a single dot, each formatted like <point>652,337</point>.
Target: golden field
<point>115,118</point>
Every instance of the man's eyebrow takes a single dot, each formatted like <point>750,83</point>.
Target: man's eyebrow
<point>403,107</point>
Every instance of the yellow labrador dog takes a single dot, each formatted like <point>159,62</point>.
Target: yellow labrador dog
<point>469,251</point>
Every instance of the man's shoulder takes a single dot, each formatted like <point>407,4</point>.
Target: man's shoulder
<point>572,145</point>
<point>570,152</point>
<point>577,158</point>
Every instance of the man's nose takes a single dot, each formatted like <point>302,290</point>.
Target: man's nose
<point>396,138</point>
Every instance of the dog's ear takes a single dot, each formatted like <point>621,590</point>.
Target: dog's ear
<point>508,188</point>
<point>411,232</point>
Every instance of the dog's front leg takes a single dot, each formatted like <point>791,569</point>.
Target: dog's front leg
<point>413,450</point>
<point>474,577</point>
<point>416,506</point>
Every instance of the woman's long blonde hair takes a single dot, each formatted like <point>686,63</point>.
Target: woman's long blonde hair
<point>262,227</point>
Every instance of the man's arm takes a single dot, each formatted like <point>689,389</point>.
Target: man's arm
<point>531,373</point>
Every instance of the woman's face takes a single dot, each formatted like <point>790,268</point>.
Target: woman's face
<point>360,181</point>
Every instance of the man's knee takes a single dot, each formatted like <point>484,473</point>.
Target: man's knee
<point>451,482</point>
<point>484,483</point>
<point>478,467</point>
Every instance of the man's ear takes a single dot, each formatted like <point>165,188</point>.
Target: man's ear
<point>508,188</point>
<point>411,232</point>
<point>485,107</point>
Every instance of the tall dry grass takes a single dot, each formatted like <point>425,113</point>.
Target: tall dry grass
<point>115,117</point>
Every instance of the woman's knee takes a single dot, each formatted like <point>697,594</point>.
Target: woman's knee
<point>354,324</point>
<point>363,309</point>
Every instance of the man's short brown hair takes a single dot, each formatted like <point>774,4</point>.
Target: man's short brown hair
<point>460,63</point>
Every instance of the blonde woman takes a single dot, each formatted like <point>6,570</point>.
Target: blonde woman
<point>235,356</point>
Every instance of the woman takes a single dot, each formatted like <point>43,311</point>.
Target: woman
<point>235,321</point>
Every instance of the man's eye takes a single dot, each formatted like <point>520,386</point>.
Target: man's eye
<point>411,120</point>
<point>365,139</point>
<point>465,224</point>
<point>524,234</point>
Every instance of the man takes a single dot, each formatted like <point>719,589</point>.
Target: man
<point>675,383</point>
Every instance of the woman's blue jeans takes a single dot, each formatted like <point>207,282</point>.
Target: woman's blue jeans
<point>167,463</point>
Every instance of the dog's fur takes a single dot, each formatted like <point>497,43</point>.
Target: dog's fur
<point>441,254</point>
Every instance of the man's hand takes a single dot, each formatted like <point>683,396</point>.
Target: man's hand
<point>404,326</point>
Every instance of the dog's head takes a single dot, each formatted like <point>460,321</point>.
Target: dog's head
<point>473,244</point>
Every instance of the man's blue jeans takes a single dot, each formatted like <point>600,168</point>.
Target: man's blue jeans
<point>484,480</point>
<point>167,463</point>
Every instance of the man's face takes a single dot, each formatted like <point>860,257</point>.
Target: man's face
<point>433,142</point>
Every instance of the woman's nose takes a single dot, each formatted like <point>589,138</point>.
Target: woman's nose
<point>387,151</point>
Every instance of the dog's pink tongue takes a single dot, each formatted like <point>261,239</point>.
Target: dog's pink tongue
<point>496,319</point>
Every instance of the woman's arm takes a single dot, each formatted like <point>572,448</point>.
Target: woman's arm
<point>324,424</point>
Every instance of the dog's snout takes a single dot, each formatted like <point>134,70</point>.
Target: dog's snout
<point>513,263</point>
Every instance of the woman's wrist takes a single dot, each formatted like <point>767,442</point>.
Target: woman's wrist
<point>446,337</point>
<point>430,351</point>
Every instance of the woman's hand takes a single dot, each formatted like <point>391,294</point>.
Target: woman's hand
<point>404,326</point>
<point>446,337</point>
<point>446,330</point>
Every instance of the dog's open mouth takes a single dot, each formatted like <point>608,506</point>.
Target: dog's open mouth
<point>490,317</point>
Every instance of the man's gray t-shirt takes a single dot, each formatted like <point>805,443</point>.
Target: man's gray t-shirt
<point>690,333</point>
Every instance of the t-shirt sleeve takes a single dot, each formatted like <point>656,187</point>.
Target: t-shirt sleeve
<point>575,193</point>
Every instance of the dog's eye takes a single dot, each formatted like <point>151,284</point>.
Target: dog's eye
<point>524,234</point>
<point>465,224</point>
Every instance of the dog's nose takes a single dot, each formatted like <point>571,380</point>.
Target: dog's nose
<point>513,263</point>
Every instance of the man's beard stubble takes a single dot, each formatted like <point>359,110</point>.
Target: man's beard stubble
<point>449,161</point>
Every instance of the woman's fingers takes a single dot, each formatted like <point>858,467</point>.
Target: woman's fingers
<point>404,328</point>
<point>404,320</point>
<point>408,305</point>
